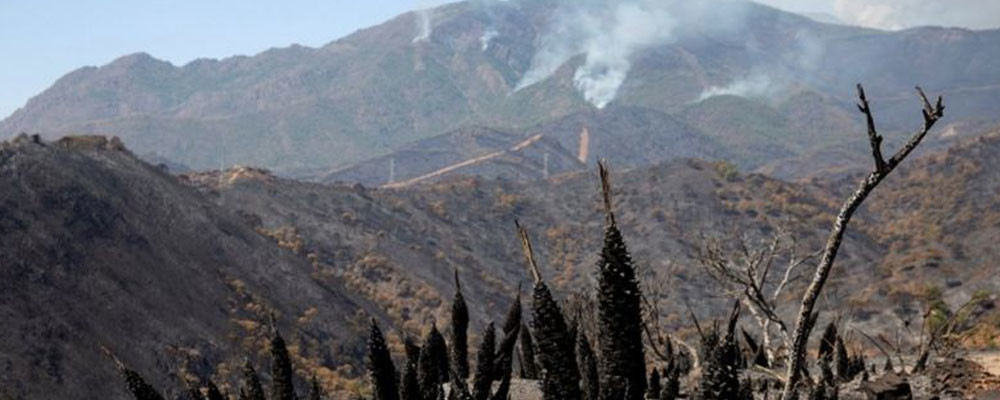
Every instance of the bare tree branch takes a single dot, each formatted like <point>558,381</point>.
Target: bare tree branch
<point>529,254</point>
<point>873,137</point>
<point>745,278</point>
<point>882,169</point>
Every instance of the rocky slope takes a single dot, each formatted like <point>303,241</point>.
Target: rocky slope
<point>98,248</point>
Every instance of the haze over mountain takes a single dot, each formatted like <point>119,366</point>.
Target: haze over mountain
<point>519,67</point>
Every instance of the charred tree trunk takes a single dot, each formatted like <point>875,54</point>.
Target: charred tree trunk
<point>882,168</point>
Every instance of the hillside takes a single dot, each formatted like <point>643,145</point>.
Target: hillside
<point>100,249</point>
<point>400,246</point>
<point>940,220</point>
<point>910,236</point>
<point>309,111</point>
<point>200,258</point>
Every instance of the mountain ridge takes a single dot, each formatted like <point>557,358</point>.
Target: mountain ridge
<point>298,110</point>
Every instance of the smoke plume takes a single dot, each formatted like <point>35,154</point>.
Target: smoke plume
<point>900,14</point>
<point>487,37</point>
<point>756,85</point>
<point>609,33</point>
<point>424,24</point>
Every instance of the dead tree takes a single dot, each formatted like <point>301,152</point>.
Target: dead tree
<point>659,342</point>
<point>882,169</point>
<point>745,276</point>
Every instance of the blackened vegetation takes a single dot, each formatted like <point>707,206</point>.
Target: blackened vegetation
<point>560,355</point>
<point>410,388</point>
<point>619,312</point>
<point>432,366</point>
<point>134,382</point>
<point>528,368</point>
<point>380,367</point>
<point>459,332</point>
<point>587,362</point>
<point>485,364</point>
<point>282,387</point>
<point>251,388</point>
<point>722,363</point>
<point>559,372</point>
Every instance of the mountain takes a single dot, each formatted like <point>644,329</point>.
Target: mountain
<point>101,249</point>
<point>318,112</point>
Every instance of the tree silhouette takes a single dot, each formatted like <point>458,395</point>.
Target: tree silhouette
<point>380,367</point>
<point>619,312</point>
<point>282,387</point>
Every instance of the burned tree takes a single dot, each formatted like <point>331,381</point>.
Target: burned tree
<point>720,372</point>
<point>559,372</point>
<point>282,387</point>
<point>134,383</point>
<point>881,169</point>
<point>459,332</point>
<point>619,312</point>
<point>745,277</point>
<point>432,367</point>
<point>380,367</point>
<point>315,391</point>
<point>485,364</point>
<point>213,392</point>
<point>409,389</point>
<point>252,389</point>
<point>587,362</point>
<point>529,370</point>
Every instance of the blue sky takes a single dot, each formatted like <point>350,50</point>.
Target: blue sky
<point>41,40</point>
